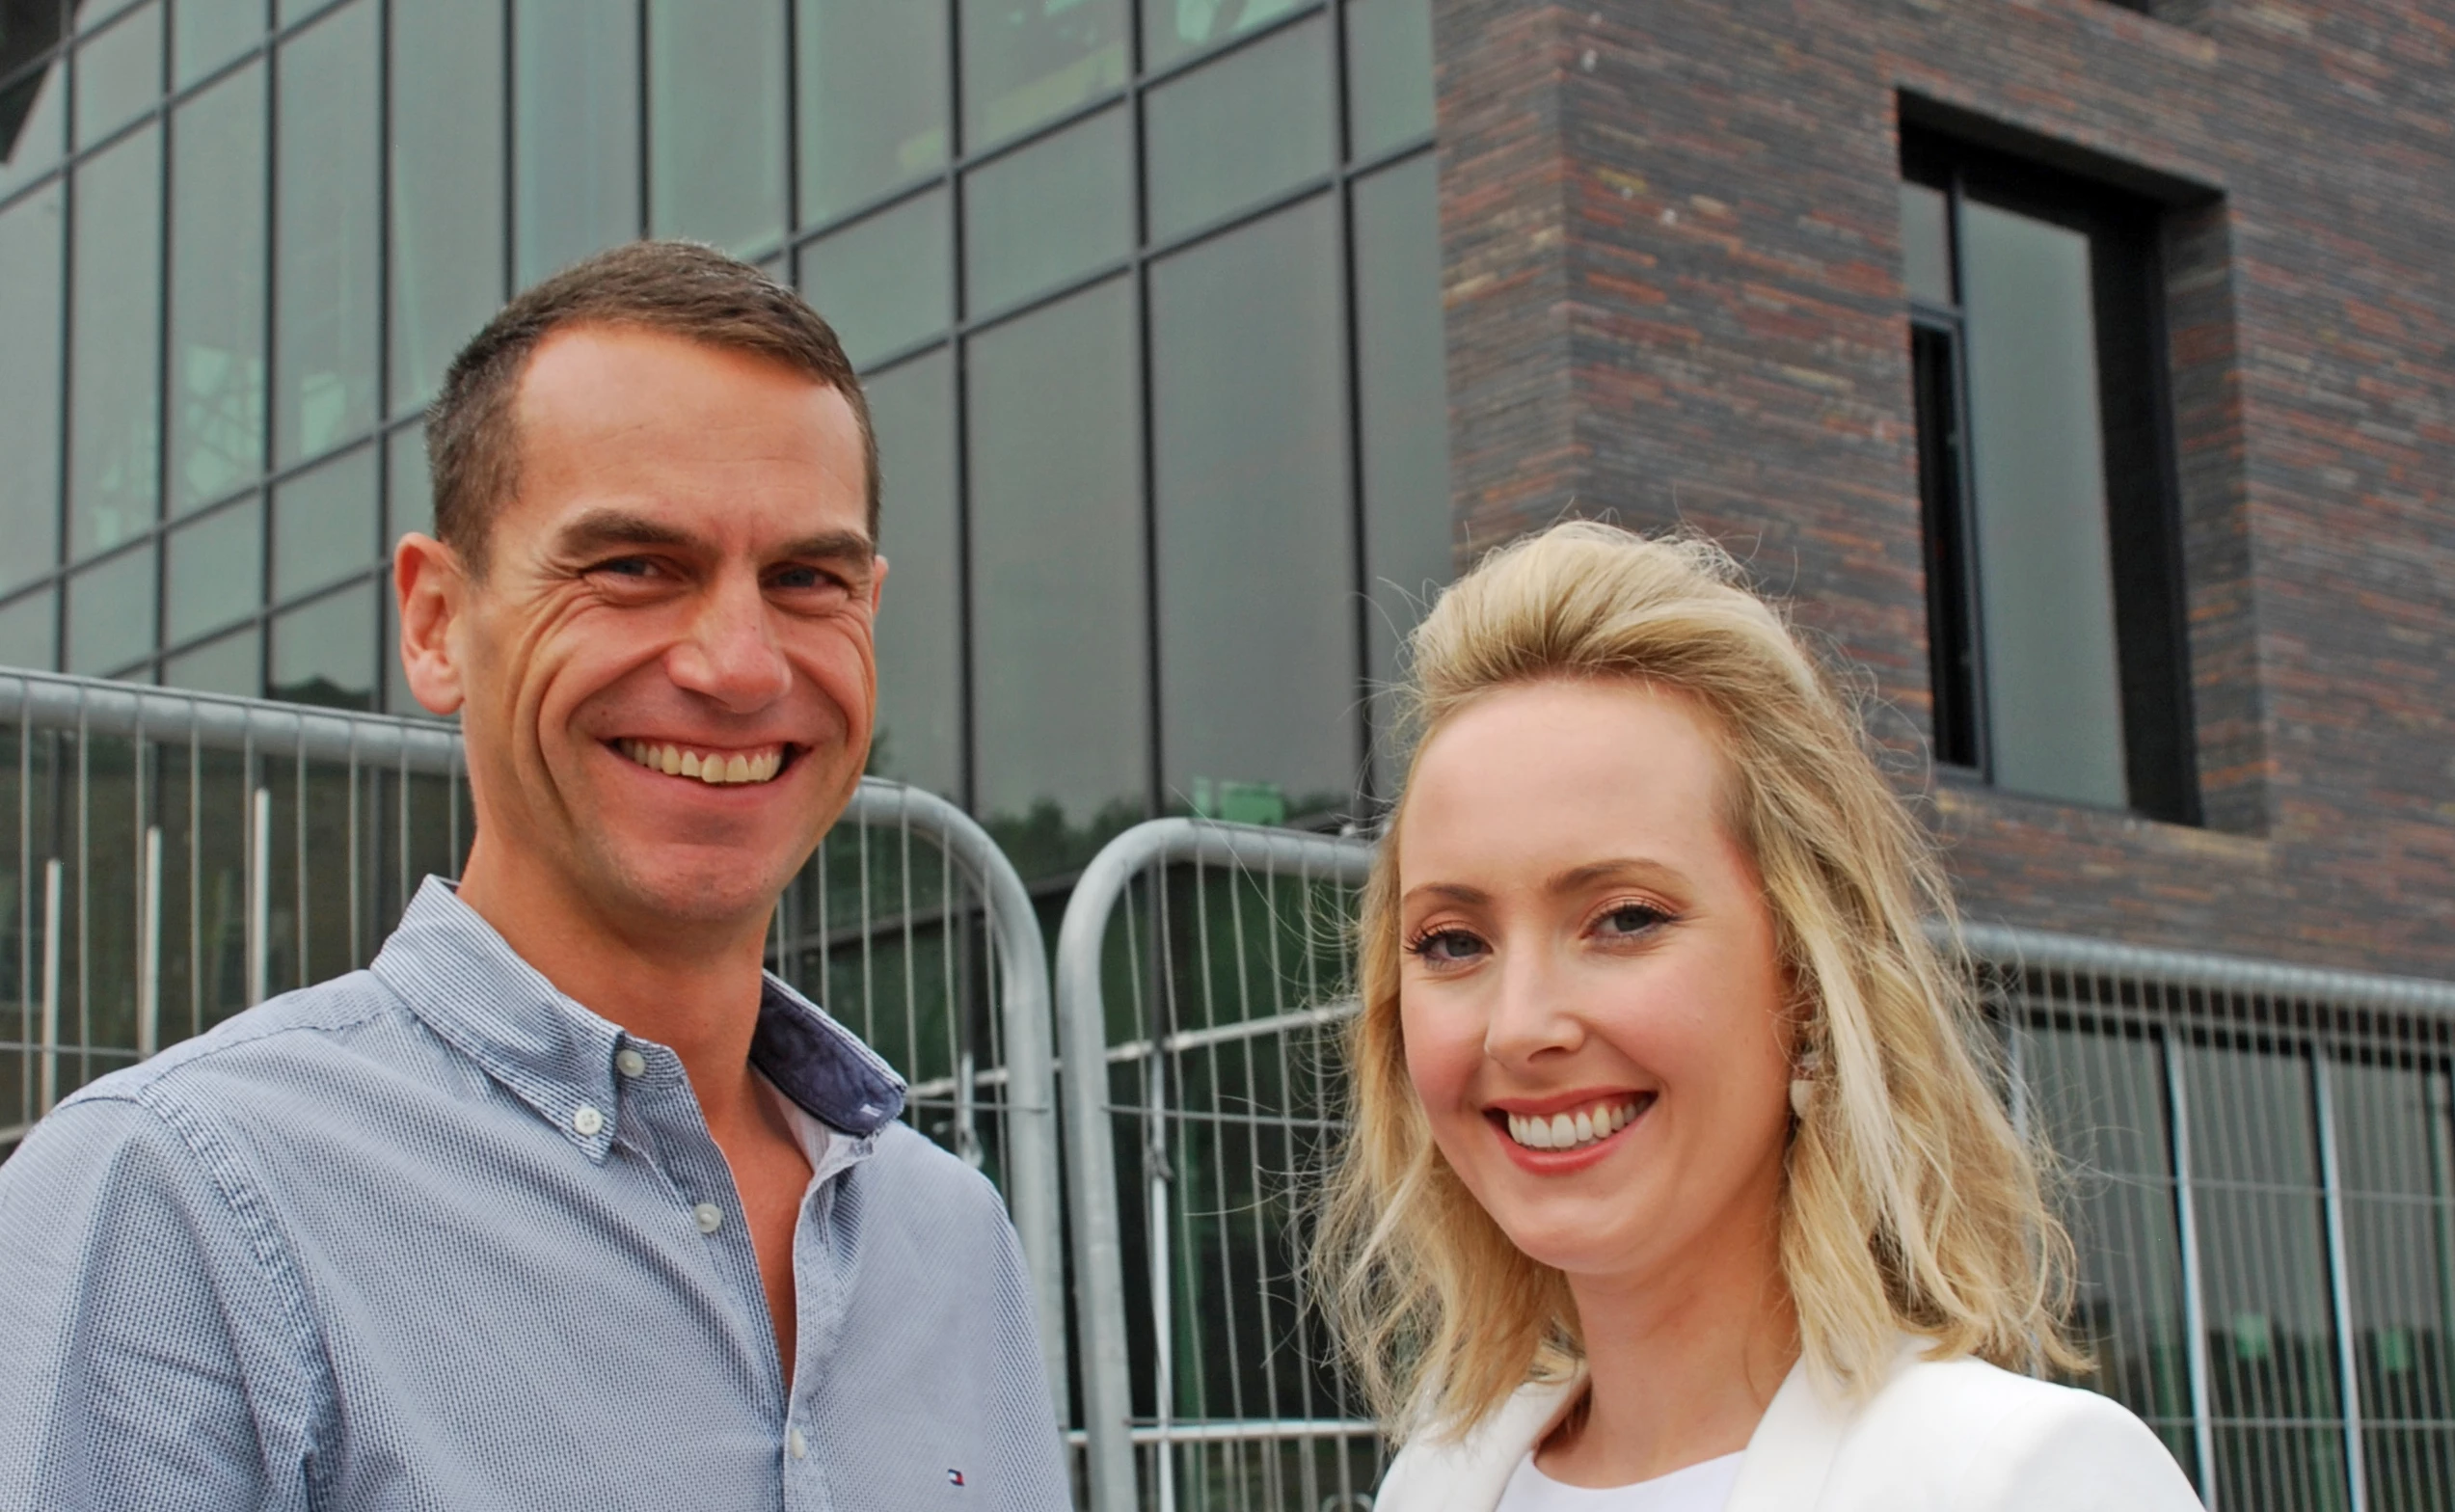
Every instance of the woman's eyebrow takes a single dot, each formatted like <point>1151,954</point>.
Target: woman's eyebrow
<point>1578,879</point>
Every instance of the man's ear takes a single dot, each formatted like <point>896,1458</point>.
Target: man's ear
<point>878,581</point>
<point>432,587</point>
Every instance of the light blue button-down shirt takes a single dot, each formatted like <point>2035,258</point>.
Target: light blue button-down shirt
<point>433,1236</point>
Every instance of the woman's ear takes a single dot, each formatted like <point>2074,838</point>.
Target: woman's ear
<point>431,587</point>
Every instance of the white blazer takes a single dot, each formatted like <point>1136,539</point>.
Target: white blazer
<point>1938,1436</point>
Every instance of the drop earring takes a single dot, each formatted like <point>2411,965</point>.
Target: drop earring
<point>1802,1084</point>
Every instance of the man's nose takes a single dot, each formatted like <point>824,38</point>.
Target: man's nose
<point>730,654</point>
<point>1531,1009</point>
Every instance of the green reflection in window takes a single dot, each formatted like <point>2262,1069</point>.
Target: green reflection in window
<point>33,124</point>
<point>112,412</point>
<point>715,120</point>
<point>446,180</point>
<point>205,33</point>
<point>216,572</point>
<point>1389,74</point>
<point>217,290</point>
<point>1173,29</point>
<point>325,653</point>
<point>1239,130</point>
<point>1025,61</point>
<point>30,631</point>
<point>111,613</point>
<point>873,100</point>
<point>885,283</point>
<point>324,524</point>
<point>576,183</point>
<point>234,664</point>
<point>1256,561</point>
<point>30,249</point>
<point>326,277</point>
<point>118,73</point>
<point>920,728</point>
<point>1053,211</point>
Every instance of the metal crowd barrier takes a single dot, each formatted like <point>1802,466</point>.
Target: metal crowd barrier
<point>2258,1162</point>
<point>179,856</point>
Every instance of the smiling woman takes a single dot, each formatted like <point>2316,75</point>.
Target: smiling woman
<point>1677,1177</point>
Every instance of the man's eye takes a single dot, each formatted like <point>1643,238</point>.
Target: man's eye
<point>804,580</point>
<point>628,567</point>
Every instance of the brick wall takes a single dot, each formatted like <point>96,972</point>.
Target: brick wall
<point>1672,277</point>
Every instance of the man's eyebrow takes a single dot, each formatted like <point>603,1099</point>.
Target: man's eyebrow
<point>604,527</point>
<point>831,546</point>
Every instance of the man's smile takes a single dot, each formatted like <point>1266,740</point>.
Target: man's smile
<point>707,764</point>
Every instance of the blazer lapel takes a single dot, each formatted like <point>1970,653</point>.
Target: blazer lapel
<point>1791,1449</point>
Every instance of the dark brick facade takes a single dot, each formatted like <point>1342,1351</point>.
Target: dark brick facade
<point>1672,277</point>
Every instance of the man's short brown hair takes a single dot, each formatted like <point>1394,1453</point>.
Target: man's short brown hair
<point>679,288</point>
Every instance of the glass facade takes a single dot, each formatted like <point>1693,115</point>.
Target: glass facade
<point>1147,295</point>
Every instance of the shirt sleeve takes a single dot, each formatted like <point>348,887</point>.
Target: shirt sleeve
<point>2077,1452</point>
<point>153,1362</point>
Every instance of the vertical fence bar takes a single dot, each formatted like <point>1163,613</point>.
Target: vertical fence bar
<point>149,946</point>
<point>47,1093</point>
<point>2195,1314</point>
<point>259,893</point>
<point>2339,1277</point>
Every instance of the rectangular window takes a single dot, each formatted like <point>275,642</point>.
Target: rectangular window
<point>2046,484</point>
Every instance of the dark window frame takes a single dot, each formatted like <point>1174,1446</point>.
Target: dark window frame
<point>2144,513</point>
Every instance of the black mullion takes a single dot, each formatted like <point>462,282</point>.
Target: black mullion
<point>959,422</point>
<point>791,137</point>
<point>1351,363</point>
<point>1951,628</point>
<point>69,186</point>
<point>275,59</point>
<point>1153,695</point>
<point>643,89</point>
<point>511,147</point>
<point>383,356</point>
<point>168,150</point>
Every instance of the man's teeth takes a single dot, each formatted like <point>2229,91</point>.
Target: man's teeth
<point>1569,1130</point>
<point>713,768</point>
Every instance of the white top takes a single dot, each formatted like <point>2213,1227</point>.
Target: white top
<point>1698,1488</point>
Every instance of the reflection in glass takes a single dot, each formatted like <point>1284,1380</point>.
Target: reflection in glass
<point>446,180</point>
<point>409,490</point>
<point>920,729</point>
<point>118,73</point>
<point>30,631</point>
<point>1057,579</point>
<point>217,290</point>
<point>887,282</point>
<point>1173,29</point>
<point>2055,700</point>
<point>117,212</point>
<point>325,247</point>
<point>30,250</point>
<point>1025,61</point>
<point>1239,130</point>
<point>576,184</point>
<point>873,100</point>
<point>324,524</point>
<point>1052,211</point>
<point>33,123</point>
<point>325,653</point>
<point>1925,243</point>
<point>232,664</point>
<point>111,613</point>
<point>216,572</point>
<point>1403,394</point>
<point>715,120</point>
<point>1389,74</point>
<point>1257,564</point>
<point>205,33</point>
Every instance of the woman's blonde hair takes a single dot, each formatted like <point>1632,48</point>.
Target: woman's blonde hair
<point>1911,1201</point>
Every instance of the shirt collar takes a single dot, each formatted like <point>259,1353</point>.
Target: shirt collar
<point>466,983</point>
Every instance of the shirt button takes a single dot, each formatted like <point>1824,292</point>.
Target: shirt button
<point>629,1063</point>
<point>796,1444</point>
<point>709,1216</point>
<point>587,1121</point>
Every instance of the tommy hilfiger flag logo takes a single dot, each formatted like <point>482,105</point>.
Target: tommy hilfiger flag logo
<point>953,1477</point>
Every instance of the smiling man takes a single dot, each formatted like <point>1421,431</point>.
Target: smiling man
<point>562,1202</point>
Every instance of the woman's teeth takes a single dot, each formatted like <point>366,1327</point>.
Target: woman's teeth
<point>713,768</point>
<point>1569,1130</point>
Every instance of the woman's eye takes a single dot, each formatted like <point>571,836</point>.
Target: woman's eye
<point>1447,947</point>
<point>1633,918</point>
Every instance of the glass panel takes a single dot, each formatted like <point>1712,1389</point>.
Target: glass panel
<point>326,282</point>
<point>33,124</point>
<point>30,249</point>
<point>1030,61</point>
<point>111,613</point>
<point>30,631</point>
<point>2055,700</point>
<point>2263,1262</point>
<point>873,100</point>
<point>1057,579</point>
<point>216,570</point>
<point>448,185</point>
<point>1173,29</point>
<point>410,491</point>
<point>324,524</point>
<point>1257,562</point>
<point>325,653</point>
<point>716,119</point>
<point>1389,74</point>
<point>119,74</point>
<point>575,186</point>
<point>920,729</point>
<point>205,33</point>
<point>1402,385</point>
<point>1053,211</point>
<point>1925,243</point>
<point>217,291</point>
<point>1240,129</point>
<point>118,212</point>
<point>885,283</point>
<point>232,664</point>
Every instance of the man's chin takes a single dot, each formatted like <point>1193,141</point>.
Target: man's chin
<point>697,891</point>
